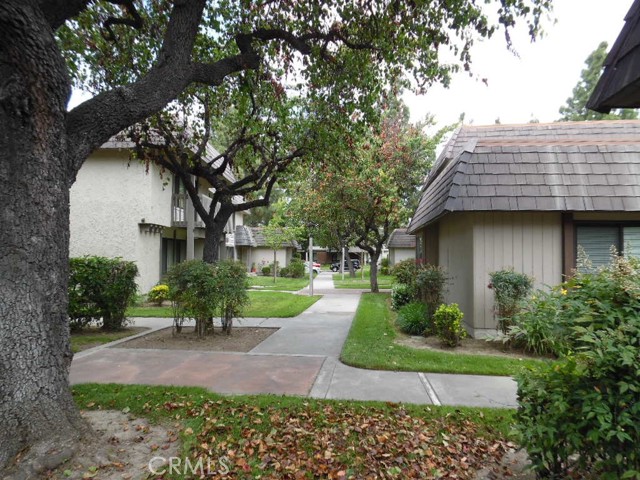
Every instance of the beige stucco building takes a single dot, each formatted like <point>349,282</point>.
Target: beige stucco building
<point>122,208</point>
<point>527,197</point>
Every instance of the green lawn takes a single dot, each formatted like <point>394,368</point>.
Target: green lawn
<point>288,284</point>
<point>370,344</point>
<point>275,436</point>
<point>384,281</point>
<point>262,304</point>
<point>92,337</point>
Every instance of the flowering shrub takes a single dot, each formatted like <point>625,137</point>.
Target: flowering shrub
<point>401,294</point>
<point>158,294</point>
<point>580,414</point>
<point>405,272</point>
<point>448,324</point>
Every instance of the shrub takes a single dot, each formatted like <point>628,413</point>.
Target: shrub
<point>430,282</point>
<point>384,267</point>
<point>296,268</point>
<point>231,289</point>
<point>284,272</point>
<point>545,324</point>
<point>413,320</point>
<point>581,413</point>
<point>405,272</point>
<point>158,294</point>
<point>201,291</point>
<point>540,326</point>
<point>509,288</point>
<point>401,294</point>
<point>192,288</point>
<point>585,409</point>
<point>100,290</point>
<point>266,271</point>
<point>447,322</point>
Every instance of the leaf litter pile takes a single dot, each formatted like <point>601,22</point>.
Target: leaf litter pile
<point>339,442</point>
<point>287,438</point>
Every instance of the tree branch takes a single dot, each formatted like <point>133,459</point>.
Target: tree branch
<point>59,11</point>
<point>135,20</point>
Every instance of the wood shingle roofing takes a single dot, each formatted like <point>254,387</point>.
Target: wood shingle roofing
<point>256,234</point>
<point>244,237</point>
<point>579,166</point>
<point>399,238</point>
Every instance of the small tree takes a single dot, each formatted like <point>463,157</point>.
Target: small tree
<point>231,290</point>
<point>194,291</point>
<point>431,282</point>
<point>510,288</point>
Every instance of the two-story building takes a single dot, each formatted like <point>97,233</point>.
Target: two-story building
<point>124,208</point>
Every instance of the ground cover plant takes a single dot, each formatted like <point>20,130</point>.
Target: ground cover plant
<point>273,437</point>
<point>370,344</point>
<point>261,304</point>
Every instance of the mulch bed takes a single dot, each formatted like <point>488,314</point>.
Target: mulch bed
<point>242,339</point>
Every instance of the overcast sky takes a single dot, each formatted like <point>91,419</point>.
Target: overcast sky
<point>534,85</point>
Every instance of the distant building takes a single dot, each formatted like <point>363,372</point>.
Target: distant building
<point>401,245</point>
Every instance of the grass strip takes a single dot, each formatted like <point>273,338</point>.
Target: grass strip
<point>371,345</point>
<point>262,305</point>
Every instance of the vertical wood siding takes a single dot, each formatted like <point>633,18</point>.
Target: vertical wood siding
<point>530,243</point>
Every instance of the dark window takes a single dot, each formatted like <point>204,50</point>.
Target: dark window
<point>173,251</point>
<point>597,241</point>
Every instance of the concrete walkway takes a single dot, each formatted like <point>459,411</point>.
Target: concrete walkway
<point>301,358</point>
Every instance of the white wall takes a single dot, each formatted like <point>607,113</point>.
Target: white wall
<point>259,255</point>
<point>397,255</point>
<point>108,201</point>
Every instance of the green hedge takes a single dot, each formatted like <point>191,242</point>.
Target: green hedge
<point>100,290</point>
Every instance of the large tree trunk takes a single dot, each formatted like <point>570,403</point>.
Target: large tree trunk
<point>213,235</point>
<point>36,406</point>
<point>214,230</point>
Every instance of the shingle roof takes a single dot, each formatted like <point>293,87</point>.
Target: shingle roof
<point>244,237</point>
<point>399,238</point>
<point>619,85</point>
<point>261,241</point>
<point>579,166</point>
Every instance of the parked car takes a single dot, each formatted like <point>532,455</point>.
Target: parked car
<point>317,268</point>
<point>335,267</point>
